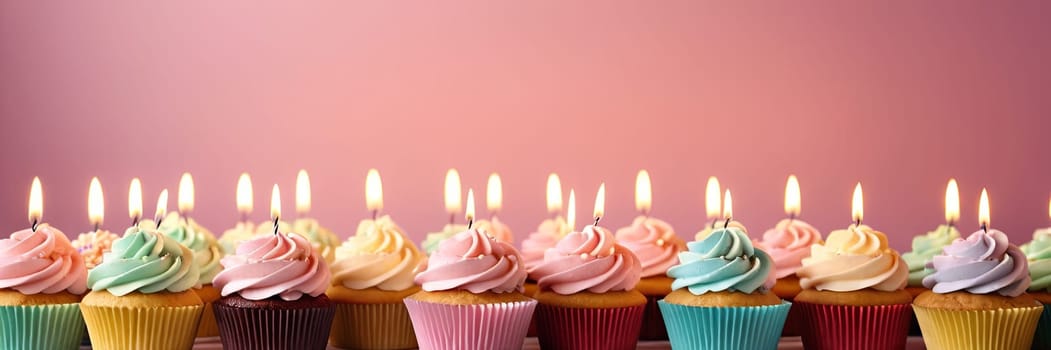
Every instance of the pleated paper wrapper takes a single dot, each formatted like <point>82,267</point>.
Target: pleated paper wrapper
<point>726,328</point>
<point>464,327</point>
<point>855,327</point>
<point>587,329</point>
<point>653,327</point>
<point>155,328</point>
<point>1001,329</point>
<point>372,326</point>
<point>56,326</point>
<point>1042,339</point>
<point>274,329</point>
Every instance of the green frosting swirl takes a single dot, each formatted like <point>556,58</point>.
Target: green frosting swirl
<point>430,243</point>
<point>926,247</point>
<point>324,240</point>
<point>146,261</point>
<point>206,249</point>
<point>1038,252</point>
<point>724,261</point>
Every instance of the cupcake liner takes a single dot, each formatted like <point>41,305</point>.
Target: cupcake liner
<point>585,329</point>
<point>794,322</point>
<point>1002,329</point>
<point>207,327</point>
<point>55,326</point>
<point>270,328</point>
<point>652,322</point>
<point>855,327</point>
<point>372,326</point>
<point>482,326</point>
<point>745,327</point>
<point>114,327</point>
<point>1042,339</point>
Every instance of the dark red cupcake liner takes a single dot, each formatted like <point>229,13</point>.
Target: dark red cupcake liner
<point>273,328</point>
<point>652,322</point>
<point>588,329</point>
<point>855,327</point>
<point>794,323</point>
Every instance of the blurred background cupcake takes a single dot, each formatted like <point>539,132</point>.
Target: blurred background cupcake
<point>1038,252</point>
<point>722,297</point>
<point>453,205</point>
<point>244,229</point>
<point>324,240</point>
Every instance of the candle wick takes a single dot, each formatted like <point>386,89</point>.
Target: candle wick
<point>791,217</point>
<point>452,218</point>
<point>96,227</point>
<point>597,218</point>
<point>470,223</point>
<point>135,221</point>
<point>857,223</point>
<point>276,224</point>
<point>726,223</point>
<point>713,223</point>
<point>159,219</point>
<point>374,213</point>
<point>34,225</point>
<point>985,228</point>
<point>244,218</point>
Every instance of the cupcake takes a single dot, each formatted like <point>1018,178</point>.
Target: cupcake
<point>655,244</point>
<point>141,295</point>
<point>924,248</point>
<point>372,275</point>
<point>471,296</point>
<point>241,232</point>
<point>433,239</point>
<point>273,295</point>
<point>497,229</point>
<point>977,298</point>
<point>323,239</point>
<point>722,297</point>
<point>92,245</point>
<point>42,279</point>
<point>206,255</point>
<point>788,243</point>
<point>537,243</point>
<point>1038,252</point>
<point>587,293</point>
<point>854,293</point>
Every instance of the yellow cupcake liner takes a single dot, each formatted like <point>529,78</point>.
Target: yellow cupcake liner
<point>372,326</point>
<point>155,328</point>
<point>1003,329</point>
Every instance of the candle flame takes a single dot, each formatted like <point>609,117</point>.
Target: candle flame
<point>185,194</point>
<point>452,192</point>
<point>728,205</point>
<point>302,192</point>
<point>95,202</point>
<point>162,206</point>
<point>857,208</point>
<point>494,193</point>
<point>554,194</point>
<point>952,202</point>
<point>1049,208</point>
<point>983,209</point>
<point>36,202</point>
<point>245,200</point>
<point>711,198</point>
<point>793,199</point>
<point>135,199</point>
<point>643,192</point>
<point>275,203</point>
<point>373,191</point>
<point>469,213</point>
<point>600,201</point>
<point>571,214</point>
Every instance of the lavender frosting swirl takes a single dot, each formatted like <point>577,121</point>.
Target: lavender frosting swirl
<point>983,263</point>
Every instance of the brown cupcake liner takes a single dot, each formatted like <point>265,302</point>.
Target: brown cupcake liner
<point>272,328</point>
<point>372,326</point>
<point>652,322</point>
<point>587,329</point>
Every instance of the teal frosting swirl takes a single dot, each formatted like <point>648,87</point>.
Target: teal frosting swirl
<point>926,247</point>
<point>206,249</point>
<point>146,261</point>
<point>724,261</point>
<point>1038,252</point>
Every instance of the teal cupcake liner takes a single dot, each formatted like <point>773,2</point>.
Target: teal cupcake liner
<point>745,327</point>
<point>53,327</point>
<point>1042,338</point>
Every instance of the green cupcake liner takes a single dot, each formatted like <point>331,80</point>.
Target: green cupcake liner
<point>745,327</point>
<point>1042,339</point>
<point>55,326</point>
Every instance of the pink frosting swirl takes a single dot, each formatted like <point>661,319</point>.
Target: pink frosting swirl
<point>284,265</point>
<point>545,237</point>
<point>41,262</point>
<point>476,262</point>
<point>788,243</point>
<point>588,261</point>
<point>653,242</point>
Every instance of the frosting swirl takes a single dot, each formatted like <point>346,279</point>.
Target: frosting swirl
<point>725,261</point>
<point>275,265</point>
<point>788,243</point>
<point>497,229</point>
<point>146,261</point>
<point>323,239</point>
<point>588,261</point>
<point>714,225</point>
<point>853,259</point>
<point>473,261</point>
<point>983,263</point>
<point>378,255</point>
<point>926,247</point>
<point>92,245</point>
<point>653,242</point>
<point>206,250</point>
<point>1039,254</point>
<point>545,237</point>
<point>434,239</point>
<point>243,231</point>
<point>41,262</point>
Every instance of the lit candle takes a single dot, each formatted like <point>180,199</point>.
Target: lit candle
<point>857,207</point>
<point>925,247</point>
<point>452,194</point>
<point>571,211</point>
<point>952,203</point>
<point>728,208</point>
<point>275,207</point>
<point>551,229</point>
<point>36,204</point>
<point>469,213</point>
<point>494,194</point>
<point>373,192</point>
<point>244,198</point>
<point>244,229</point>
<point>554,195</point>
<point>600,203</point>
<point>643,193</point>
<point>712,200</point>
<point>95,203</point>
<point>793,200</point>
<point>789,242</point>
<point>185,199</point>
<point>94,244</point>
<point>652,240</point>
<point>302,193</point>
<point>983,211</point>
<point>135,201</point>
<point>162,207</point>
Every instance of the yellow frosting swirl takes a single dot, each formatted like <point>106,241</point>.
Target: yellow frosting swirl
<point>379,255</point>
<point>853,259</point>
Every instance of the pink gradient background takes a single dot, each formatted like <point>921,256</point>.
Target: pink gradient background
<point>900,96</point>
